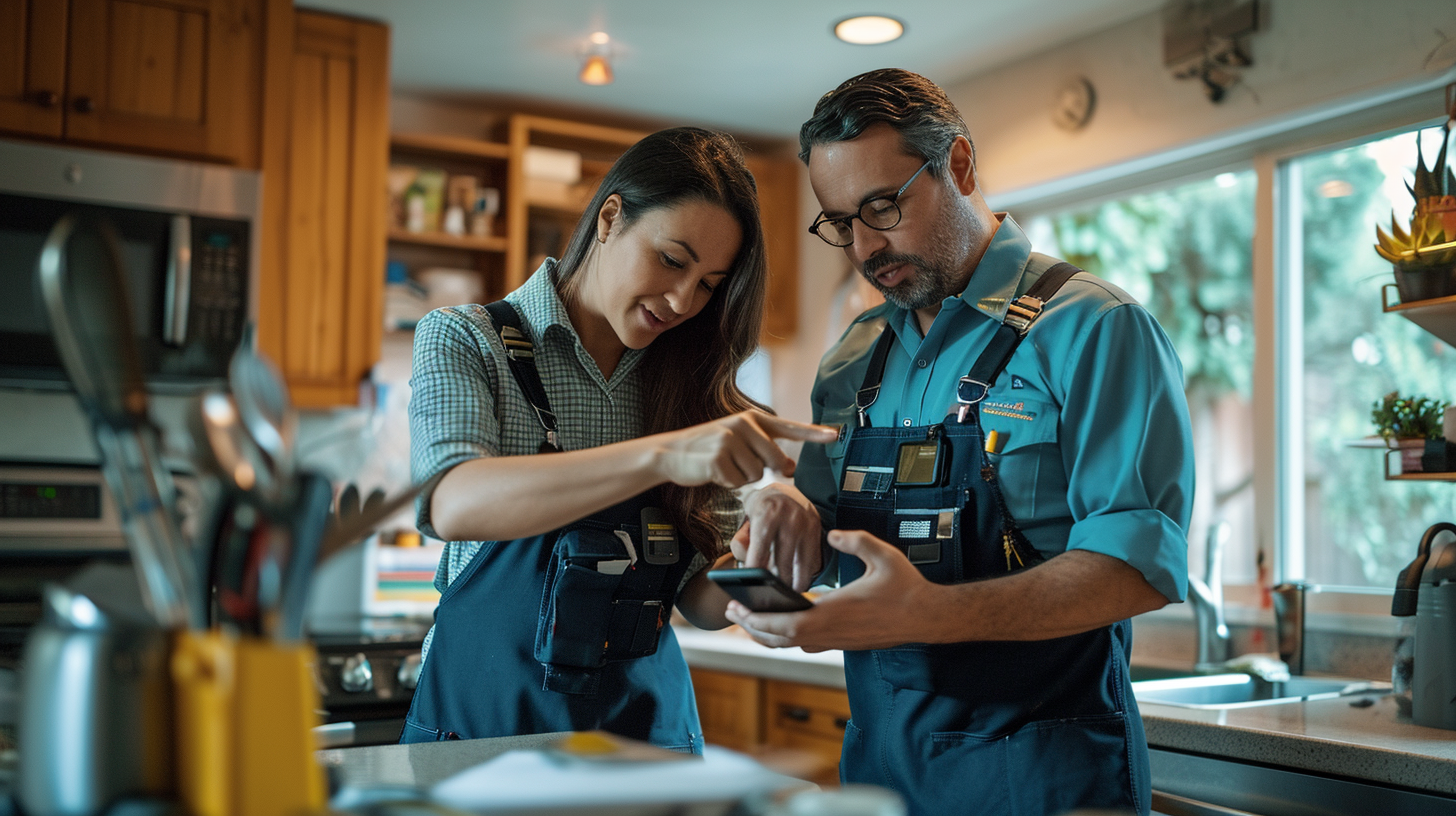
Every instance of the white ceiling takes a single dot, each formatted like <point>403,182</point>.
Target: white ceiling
<point>750,66</point>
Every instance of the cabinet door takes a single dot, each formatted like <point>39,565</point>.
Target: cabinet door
<point>32,66</point>
<point>728,708</point>
<point>173,76</point>
<point>326,149</point>
<point>777,178</point>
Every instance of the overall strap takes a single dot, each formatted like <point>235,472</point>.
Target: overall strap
<point>869,391</point>
<point>1020,314</point>
<point>521,358</point>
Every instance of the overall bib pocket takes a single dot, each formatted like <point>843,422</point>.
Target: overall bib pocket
<point>586,567</point>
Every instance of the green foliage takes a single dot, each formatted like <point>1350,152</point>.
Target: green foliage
<point>1413,417</point>
<point>1186,254</point>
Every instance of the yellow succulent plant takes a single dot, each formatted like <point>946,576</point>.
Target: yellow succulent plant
<point>1430,243</point>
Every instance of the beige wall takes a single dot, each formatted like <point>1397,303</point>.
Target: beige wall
<point>1314,61</point>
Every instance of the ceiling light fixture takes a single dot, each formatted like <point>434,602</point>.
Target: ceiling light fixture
<point>597,69</point>
<point>869,29</point>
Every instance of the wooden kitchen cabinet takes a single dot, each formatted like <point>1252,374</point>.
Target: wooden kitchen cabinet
<point>175,77</point>
<point>326,143</point>
<point>796,726</point>
<point>778,202</point>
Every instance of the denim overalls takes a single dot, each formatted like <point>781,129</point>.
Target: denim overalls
<point>995,727</point>
<point>565,631</point>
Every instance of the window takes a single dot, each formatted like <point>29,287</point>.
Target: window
<point>1358,530</point>
<point>1184,252</point>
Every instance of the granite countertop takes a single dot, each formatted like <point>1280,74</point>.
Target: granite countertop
<point>1329,736</point>
<point>1325,736</point>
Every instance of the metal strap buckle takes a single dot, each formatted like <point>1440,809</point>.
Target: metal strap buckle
<point>1022,312</point>
<point>968,393</point>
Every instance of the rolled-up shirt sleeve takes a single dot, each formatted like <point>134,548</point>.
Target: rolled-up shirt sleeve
<point>1127,447</point>
<point>452,409</point>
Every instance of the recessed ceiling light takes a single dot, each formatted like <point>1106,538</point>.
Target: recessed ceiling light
<point>869,29</point>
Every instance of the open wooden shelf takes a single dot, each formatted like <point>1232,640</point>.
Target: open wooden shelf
<point>449,146</point>
<point>1393,474</point>
<point>494,243</point>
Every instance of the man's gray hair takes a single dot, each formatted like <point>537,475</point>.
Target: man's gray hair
<point>914,106</point>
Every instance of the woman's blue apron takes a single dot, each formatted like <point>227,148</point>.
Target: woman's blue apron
<point>565,631</point>
<point>985,727</point>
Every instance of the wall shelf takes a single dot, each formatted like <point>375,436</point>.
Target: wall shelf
<point>494,243</point>
<point>449,146</point>
<point>1437,315</point>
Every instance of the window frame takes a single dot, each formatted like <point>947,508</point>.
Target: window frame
<point>1271,150</point>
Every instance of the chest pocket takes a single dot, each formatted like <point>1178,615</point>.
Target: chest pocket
<point>1027,458</point>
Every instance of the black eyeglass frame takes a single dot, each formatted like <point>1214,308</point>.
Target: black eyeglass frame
<point>846,219</point>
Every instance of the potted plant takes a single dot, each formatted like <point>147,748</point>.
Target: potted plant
<point>1407,423</point>
<point>1425,255</point>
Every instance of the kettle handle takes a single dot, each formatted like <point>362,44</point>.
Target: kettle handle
<point>1408,583</point>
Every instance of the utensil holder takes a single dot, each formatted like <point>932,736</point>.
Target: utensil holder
<point>246,709</point>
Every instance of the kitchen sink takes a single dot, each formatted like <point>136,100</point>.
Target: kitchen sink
<point>1138,672</point>
<point>1221,691</point>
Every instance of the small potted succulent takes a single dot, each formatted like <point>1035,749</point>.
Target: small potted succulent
<point>1425,255</point>
<point>1412,424</point>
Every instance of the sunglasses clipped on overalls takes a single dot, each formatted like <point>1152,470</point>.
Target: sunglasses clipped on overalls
<point>986,726</point>
<point>597,594</point>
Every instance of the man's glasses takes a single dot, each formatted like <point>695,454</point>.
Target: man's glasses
<point>879,213</point>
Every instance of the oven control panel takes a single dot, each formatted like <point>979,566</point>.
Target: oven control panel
<point>367,675</point>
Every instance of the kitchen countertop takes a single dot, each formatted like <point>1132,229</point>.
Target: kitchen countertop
<point>1324,736</point>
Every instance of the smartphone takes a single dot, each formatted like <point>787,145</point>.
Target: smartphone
<point>759,590</point>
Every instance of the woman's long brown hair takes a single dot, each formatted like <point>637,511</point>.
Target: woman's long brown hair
<point>690,371</point>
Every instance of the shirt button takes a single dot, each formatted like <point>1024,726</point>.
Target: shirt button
<point>921,363</point>
<point>907,422</point>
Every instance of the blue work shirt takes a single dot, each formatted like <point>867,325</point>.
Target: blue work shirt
<point>1094,449</point>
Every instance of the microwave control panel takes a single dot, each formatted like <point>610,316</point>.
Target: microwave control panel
<point>219,281</point>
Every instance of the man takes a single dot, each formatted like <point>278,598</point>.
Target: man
<point>992,542</point>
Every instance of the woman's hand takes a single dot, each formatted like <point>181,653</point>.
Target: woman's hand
<point>780,532</point>
<point>734,450</point>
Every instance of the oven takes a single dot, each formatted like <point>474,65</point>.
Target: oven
<point>366,672</point>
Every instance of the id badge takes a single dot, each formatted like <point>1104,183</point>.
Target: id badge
<point>919,463</point>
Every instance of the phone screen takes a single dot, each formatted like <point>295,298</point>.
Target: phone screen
<point>759,590</point>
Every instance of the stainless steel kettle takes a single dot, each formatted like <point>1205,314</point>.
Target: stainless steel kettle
<point>1426,588</point>
<point>95,705</point>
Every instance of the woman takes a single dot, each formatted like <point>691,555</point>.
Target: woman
<point>587,452</point>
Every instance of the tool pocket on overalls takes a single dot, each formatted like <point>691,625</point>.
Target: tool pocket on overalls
<point>585,570</point>
<point>1023,450</point>
<point>926,525</point>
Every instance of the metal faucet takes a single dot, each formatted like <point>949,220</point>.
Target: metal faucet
<point>1214,647</point>
<point>1289,623</point>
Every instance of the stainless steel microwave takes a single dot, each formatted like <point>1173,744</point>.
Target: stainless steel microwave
<point>189,241</point>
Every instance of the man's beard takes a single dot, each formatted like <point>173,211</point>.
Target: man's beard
<point>929,284</point>
<point>937,276</point>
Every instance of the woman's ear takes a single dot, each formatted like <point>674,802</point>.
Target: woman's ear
<point>609,217</point>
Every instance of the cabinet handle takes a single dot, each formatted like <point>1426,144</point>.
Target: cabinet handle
<point>47,99</point>
<point>841,723</point>
<point>85,104</point>
<point>796,713</point>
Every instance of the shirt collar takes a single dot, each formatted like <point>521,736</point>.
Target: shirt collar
<point>544,314</point>
<point>993,284</point>
<point>998,275</point>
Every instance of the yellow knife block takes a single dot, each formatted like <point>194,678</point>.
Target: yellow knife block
<point>246,709</point>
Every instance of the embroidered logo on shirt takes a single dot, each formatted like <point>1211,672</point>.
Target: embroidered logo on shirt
<point>1017,382</point>
<point>1011,410</point>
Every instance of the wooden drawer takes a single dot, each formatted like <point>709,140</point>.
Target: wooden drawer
<point>796,711</point>
<point>728,707</point>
